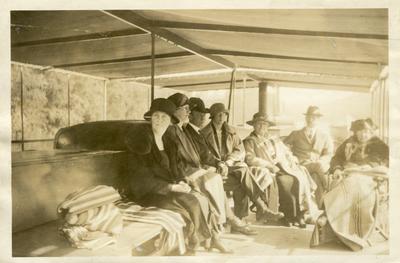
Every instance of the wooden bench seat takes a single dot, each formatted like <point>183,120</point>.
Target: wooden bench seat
<point>44,241</point>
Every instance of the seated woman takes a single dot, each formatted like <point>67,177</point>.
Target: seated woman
<point>358,166</point>
<point>294,183</point>
<point>153,182</point>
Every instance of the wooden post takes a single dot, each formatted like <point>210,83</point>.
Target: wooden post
<point>262,97</point>
<point>152,66</point>
<point>244,101</point>
<point>231,88</point>
<point>22,111</point>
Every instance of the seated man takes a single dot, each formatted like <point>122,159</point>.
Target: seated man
<point>294,183</point>
<point>227,147</point>
<point>197,119</point>
<point>314,149</point>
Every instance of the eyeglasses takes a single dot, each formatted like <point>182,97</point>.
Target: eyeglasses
<point>184,107</point>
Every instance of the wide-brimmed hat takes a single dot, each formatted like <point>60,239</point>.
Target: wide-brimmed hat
<point>217,108</point>
<point>260,116</point>
<point>162,105</point>
<point>362,124</point>
<point>197,104</point>
<point>179,99</point>
<point>313,111</point>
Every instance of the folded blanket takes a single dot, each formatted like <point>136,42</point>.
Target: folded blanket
<point>172,223</point>
<point>90,197</point>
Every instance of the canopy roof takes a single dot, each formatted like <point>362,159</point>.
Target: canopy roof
<point>198,49</point>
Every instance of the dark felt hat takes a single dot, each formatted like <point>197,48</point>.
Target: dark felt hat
<point>162,105</point>
<point>362,124</point>
<point>217,108</point>
<point>179,99</point>
<point>260,116</point>
<point>313,111</point>
<point>197,104</point>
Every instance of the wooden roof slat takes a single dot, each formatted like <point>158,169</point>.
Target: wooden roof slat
<point>136,20</point>
<point>93,51</point>
<point>262,30</point>
<point>325,67</point>
<point>355,20</point>
<point>27,26</point>
<point>142,68</point>
<point>361,50</point>
<point>93,36</point>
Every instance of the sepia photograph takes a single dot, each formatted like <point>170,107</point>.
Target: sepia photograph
<point>212,133</point>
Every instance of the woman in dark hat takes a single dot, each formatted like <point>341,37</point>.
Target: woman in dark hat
<point>271,155</point>
<point>358,172</point>
<point>152,180</point>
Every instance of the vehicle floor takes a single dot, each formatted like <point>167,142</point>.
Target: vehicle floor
<point>275,240</point>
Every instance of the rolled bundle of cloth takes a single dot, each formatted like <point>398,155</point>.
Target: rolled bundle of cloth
<point>91,219</point>
<point>81,237</point>
<point>171,236</point>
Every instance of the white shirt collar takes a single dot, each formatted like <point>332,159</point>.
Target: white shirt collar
<point>197,129</point>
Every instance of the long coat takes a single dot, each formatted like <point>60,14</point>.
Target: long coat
<point>319,148</point>
<point>150,175</point>
<point>188,165</point>
<point>200,143</point>
<point>266,152</point>
<point>233,143</point>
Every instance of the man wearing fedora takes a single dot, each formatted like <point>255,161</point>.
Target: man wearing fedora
<point>314,149</point>
<point>227,147</point>
<point>271,154</point>
<point>197,120</point>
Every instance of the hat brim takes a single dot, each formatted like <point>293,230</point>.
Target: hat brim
<point>270,123</point>
<point>147,116</point>
<point>313,114</point>
<point>212,115</point>
<point>202,111</point>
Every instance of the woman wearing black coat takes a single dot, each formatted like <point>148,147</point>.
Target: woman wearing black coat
<point>154,181</point>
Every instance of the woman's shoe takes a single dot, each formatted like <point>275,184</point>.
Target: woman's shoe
<point>217,243</point>
<point>301,223</point>
<point>285,222</point>
<point>190,252</point>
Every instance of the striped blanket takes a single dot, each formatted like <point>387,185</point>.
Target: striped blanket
<point>91,220</point>
<point>82,200</point>
<point>171,236</point>
<point>350,209</point>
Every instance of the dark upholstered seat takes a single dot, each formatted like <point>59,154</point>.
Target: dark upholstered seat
<point>99,135</point>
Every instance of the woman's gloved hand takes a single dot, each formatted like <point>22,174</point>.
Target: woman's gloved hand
<point>181,187</point>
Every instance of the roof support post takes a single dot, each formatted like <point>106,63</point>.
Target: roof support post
<point>262,97</point>
<point>152,65</point>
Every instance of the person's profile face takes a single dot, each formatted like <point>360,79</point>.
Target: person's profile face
<point>182,113</point>
<point>261,128</point>
<point>198,118</point>
<point>220,118</point>
<point>160,121</point>
<point>312,121</point>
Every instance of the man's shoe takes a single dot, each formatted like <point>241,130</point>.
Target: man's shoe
<point>270,215</point>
